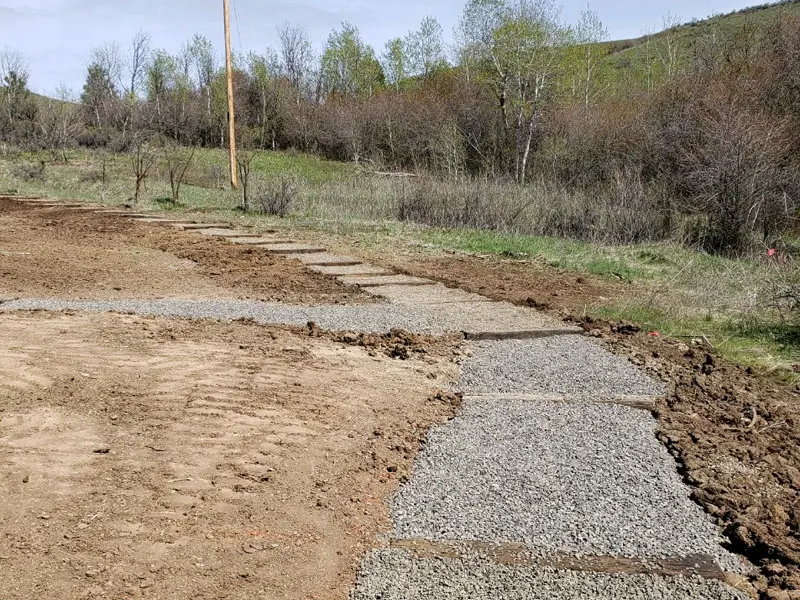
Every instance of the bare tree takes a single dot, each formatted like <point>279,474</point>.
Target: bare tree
<point>297,57</point>
<point>57,122</point>
<point>178,161</point>
<point>141,150</point>
<point>109,58</point>
<point>14,75</point>
<point>244,161</point>
<point>137,61</point>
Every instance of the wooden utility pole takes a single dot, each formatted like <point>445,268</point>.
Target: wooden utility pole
<point>231,117</point>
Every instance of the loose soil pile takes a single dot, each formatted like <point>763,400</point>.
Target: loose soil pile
<point>75,254</point>
<point>149,457</point>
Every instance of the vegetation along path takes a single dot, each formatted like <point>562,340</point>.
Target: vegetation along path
<point>548,483</point>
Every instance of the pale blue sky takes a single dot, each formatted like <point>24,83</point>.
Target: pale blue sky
<point>56,36</point>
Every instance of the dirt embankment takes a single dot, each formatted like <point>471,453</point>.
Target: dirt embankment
<point>736,433</point>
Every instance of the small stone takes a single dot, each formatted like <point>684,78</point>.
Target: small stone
<point>26,479</point>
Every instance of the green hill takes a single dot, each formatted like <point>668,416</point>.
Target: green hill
<point>625,55</point>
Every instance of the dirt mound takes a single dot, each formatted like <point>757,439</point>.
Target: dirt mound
<point>737,436</point>
<point>397,343</point>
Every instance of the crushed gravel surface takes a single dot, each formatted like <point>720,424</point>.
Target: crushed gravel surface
<point>368,318</point>
<point>372,318</point>
<point>559,477</point>
<point>562,365</point>
<point>397,575</point>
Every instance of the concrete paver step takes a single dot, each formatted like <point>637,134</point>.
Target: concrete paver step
<point>187,226</point>
<point>421,295</point>
<point>259,241</point>
<point>329,259</point>
<point>292,248</point>
<point>227,233</point>
<point>348,270</point>
<point>164,220</point>
<point>126,213</point>
<point>378,280</point>
<point>489,320</point>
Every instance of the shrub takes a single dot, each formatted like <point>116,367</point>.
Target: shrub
<point>275,197</point>
<point>30,171</point>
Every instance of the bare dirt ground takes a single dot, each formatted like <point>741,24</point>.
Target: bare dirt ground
<point>73,254</point>
<point>165,458</point>
<point>746,472</point>
<point>174,459</point>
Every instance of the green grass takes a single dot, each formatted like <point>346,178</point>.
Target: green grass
<point>635,263</point>
<point>270,164</point>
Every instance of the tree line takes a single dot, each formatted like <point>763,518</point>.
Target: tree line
<point>698,133</point>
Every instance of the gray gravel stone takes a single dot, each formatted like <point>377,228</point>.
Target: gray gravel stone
<point>572,478</point>
<point>396,575</point>
<point>374,318</point>
<point>367,318</point>
<point>562,365</point>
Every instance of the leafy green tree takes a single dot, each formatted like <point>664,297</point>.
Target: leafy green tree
<point>425,48</point>
<point>18,109</point>
<point>201,55</point>
<point>519,49</point>
<point>589,33</point>
<point>159,73</point>
<point>99,92</point>
<point>395,62</point>
<point>268,98</point>
<point>349,66</point>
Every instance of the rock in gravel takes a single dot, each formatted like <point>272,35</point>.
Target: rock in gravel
<point>573,478</point>
<point>560,365</point>
<point>395,574</point>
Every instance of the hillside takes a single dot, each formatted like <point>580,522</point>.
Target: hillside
<point>622,55</point>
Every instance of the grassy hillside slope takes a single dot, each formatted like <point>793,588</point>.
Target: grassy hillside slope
<point>623,55</point>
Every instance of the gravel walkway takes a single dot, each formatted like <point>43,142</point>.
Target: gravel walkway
<point>395,575</point>
<point>571,478</point>
<point>374,318</point>
<point>571,365</point>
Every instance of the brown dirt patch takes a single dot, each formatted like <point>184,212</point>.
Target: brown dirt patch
<point>147,457</point>
<point>523,282</point>
<point>747,477</point>
<point>76,254</point>
<point>737,437</point>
